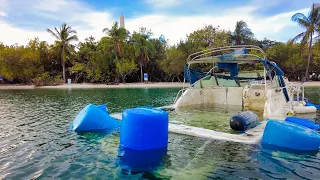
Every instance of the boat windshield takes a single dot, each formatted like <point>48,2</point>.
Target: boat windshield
<point>225,79</point>
<point>233,66</point>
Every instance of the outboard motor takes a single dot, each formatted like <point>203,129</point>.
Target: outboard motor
<point>243,121</point>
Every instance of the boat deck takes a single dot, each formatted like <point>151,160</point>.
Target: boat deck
<point>251,136</point>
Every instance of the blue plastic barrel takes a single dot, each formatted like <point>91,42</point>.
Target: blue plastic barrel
<point>292,136</point>
<point>144,128</point>
<point>317,106</point>
<point>303,122</point>
<point>93,118</point>
<point>141,160</point>
<point>243,121</point>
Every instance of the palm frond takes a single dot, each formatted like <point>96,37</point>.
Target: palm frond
<point>304,24</point>
<point>305,38</point>
<point>72,38</point>
<point>53,34</point>
<point>296,17</point>
<point>72,31</point>
<point>299,36</point>
<point>58,32</point>
<point>316,38</point>
<point>105,30</point>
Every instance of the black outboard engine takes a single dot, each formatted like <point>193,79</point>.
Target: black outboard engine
<point>243,121</point>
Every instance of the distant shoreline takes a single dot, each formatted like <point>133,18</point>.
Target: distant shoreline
<point>121,85</point>
<point>89,86</point>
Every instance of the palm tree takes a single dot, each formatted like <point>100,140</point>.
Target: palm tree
<point>242,34</point>
<point>117,36</point>
<point>143,48</point>
<point>64,36</point>
<point>311,25</point>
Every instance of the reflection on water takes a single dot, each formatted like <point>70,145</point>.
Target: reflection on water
<point>36,142</point>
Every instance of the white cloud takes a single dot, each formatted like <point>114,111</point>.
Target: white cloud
<point>163,3</point>
<point>2,13</point>
<point>10,35</point>
<point>89,22</point>
<point>175,28</point>
<point>274,26</point>
<point>85,21</point>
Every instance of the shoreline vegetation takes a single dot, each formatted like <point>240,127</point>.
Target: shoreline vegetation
<point>120,85</point>
<point>123,57</point>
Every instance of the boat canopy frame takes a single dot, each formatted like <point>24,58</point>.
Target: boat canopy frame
<point>202,56</point>
<point>238,55</point>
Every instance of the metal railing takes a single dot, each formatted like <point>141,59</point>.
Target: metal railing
<point>181,91</point>
<point>203,54</point>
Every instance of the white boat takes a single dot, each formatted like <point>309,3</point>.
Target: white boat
<point>221,77</point>
<point>266,89</point>
<point>263,89</point>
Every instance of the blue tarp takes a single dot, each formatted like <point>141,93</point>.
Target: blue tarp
<point>193,75</point>
<point>232,67</point>
<point>231,56</point>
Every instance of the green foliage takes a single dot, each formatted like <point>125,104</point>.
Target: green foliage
<point>126,67</point>
<point>311,25</point>
<point>46,80</point>
<point>78,69</point>
<point>241,34</point>
<point>142,47</point>
<point>117,35</point>
<point>173,66</point>
<point>121,55</point>
<point>289,58</point>
<point>208,36</point>
<point>101,66</point>
<point>19,62</point>
<point>64,36</point>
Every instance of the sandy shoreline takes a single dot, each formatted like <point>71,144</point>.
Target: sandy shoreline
<point>88,86</point>
<point>127,85</point>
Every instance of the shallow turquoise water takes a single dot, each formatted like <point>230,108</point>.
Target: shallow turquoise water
<point>35,142</point>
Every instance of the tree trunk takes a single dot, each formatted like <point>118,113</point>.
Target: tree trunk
<point>124,78</point>
<point>63,65</point>
<point>141,72</point>
<point>115,52</point>
<point>309,58</point>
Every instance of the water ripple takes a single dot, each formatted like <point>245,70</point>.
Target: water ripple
<point>36,142</point>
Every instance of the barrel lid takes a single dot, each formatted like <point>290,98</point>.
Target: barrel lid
<point>146,110</point>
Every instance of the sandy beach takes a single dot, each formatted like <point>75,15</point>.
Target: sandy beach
<point>88,86</point>
<point>127,85</point>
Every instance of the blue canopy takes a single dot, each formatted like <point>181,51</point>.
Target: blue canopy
<point>193,75</point>
<point>232,67</point>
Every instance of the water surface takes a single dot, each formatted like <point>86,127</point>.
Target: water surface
<point>35,142</point>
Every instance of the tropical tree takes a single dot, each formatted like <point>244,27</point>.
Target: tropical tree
<point>311,24</point>
<point>126,67</point>
<point>209,36</point>
<point>142,48</point>
<point>173,65</point>
<point>118,35</point>
<point>242,34</point>
<point>64,36</point>
<point>101,66</point>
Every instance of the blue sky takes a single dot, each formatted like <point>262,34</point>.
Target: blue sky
<point>21,20</point>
